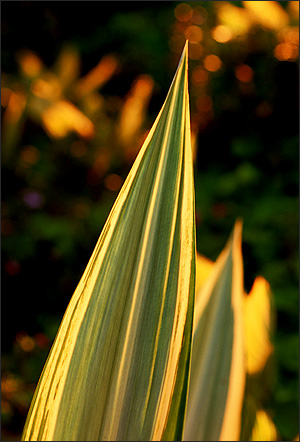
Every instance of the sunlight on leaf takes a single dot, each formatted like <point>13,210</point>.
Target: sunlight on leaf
<point>118,368</point>
<point>217,367</point>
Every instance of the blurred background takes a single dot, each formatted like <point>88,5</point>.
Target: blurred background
<point>82,83</point>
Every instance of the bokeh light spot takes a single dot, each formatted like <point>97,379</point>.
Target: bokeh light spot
<point>30,154</point>
<point>199,74</point>
<point>33,199</point>
<point>30,64</point>
<point>212,63</point>
<point>222,34</point>
<point>285,52</point>
<point>199,15</point>
<point>269,14</point>
<point>42,340</point>
<point>195,51</point>
<point>78,149</point>
<point>183,12</point>
<point>12,267</point>
<point>26,342</point>
<point>176,43</point>
<point>113,182</point>
<point>204,103</point>
<point>244,73</point>
<point>193,34</point>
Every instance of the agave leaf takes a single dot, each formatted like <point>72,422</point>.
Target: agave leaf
<point>257,332</point>
<point>217,376</point>
<point>118,368</point>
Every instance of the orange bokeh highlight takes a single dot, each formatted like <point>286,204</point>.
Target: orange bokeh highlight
<point>176,43</point>
<point>195,51</point>
<point>26,343</point>
<point>222,34</point>
<point>5,95</point>
<point>293,8</point>
<point>193,34</point>
<point>200,75</point>
<point>244,73</point>
<point>113,182</point>
<point>99,75</point>
<point>48,89</point>
<point>15,106</point>
<point>78,149</point>
<point>30,154</point>
<point>204,103</point>
<point>9,385</point>
<point>183,12</point>
<point>286,52</point>
<point>212,63</point>
<point>292,36</point>
<point>30,64</point>
<point>199,15</point>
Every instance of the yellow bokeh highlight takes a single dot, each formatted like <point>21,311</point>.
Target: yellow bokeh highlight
<point>99,75</point>
<point>257,317</point>
<point>183,12</point>
<point>238,20</point>
<point>263,429</point>
<point>46,88</point>
<point>269,14</point>
<point>134,109</point>
<point>222,34</point>
<point>212,63</point>
<point>63,117</point>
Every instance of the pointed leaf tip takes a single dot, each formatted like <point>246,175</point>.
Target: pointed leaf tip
<point>119,366</point>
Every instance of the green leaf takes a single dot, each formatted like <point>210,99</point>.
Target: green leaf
<point>217,376</point>
<point>118,368</point>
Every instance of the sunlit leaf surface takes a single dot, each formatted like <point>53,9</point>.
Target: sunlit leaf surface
<point>217,368</point>
<point>118,368</point>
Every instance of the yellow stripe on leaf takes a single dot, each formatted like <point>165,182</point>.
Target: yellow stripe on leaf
<point>217,375</point>
<point>119,365</point>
